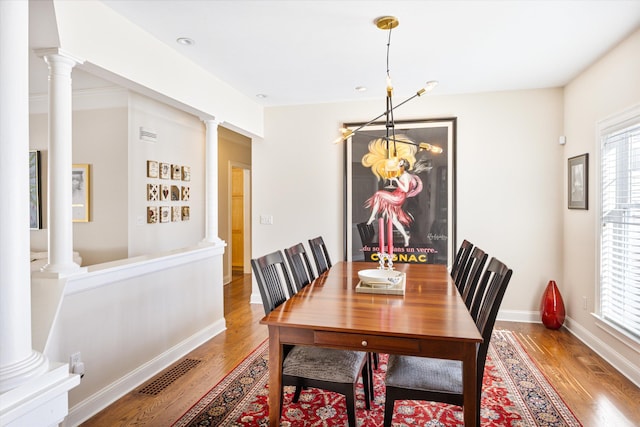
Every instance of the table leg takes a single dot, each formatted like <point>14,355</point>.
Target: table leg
<point>275,375</point>
<point>470,387</point>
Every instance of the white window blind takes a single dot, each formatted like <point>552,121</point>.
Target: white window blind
<point>620,220</point>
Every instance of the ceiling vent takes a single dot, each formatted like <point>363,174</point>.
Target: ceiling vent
<point>148,135</point>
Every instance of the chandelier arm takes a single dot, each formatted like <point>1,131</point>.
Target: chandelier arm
<point>390,139</point>
<point>383,114</point>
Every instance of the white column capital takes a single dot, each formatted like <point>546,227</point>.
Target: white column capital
<point>211,122</point>
<point>55,53</point>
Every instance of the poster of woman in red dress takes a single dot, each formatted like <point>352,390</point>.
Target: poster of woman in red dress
<point>412,188</point>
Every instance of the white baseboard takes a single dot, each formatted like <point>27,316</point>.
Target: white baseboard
<point>255,299</point>
<point>615,359</point>
<point>105,397</point>
<point>519,316</point>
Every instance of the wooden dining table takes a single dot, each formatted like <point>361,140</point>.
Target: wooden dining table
<point>429,320</point>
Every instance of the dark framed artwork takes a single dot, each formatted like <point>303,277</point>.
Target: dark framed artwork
<point>35,205</point>
<point>415,204</point>
<point>578,182</point>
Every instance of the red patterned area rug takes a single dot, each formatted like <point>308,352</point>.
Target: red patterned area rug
<point>515,393</point>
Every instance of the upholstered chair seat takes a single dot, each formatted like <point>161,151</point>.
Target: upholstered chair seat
<point>425,374</point>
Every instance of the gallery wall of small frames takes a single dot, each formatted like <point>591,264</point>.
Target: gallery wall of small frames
<point>171,189</point>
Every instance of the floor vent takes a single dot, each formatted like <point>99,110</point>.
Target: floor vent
<point>163,381</point>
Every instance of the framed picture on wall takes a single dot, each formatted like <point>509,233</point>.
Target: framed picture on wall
<point>152,214</point>
<point>35,209</point>
<point>165,171</point>
<point>186,173</point>
<point>176,172</point>
<point>80,192</point>
<point>578,182</point>
<point>407,182</point>
<point>152,169</point>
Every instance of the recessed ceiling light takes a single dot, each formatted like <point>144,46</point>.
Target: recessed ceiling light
<point>361,88</point>
<point>186,41</point>
<point>261,95</point>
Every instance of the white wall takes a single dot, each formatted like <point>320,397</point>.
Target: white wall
<point>608,87</point>
<point>181,141</point>
<point>129,320</point>
<point>510,182</point>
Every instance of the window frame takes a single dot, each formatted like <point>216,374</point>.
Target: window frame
<point>606,126</point>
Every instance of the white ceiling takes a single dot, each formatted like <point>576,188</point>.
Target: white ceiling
<point>299,52</point>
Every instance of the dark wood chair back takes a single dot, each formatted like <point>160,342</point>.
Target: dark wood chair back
<point>471,274</point>
<point>320,254</point>
<point>300,266</point>
<point>460,260</point>
<point>494,283</point>
<point>273,280</point>
<point>367,233</point>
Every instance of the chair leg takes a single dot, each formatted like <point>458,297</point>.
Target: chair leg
<point>371,376</point>
<point>351,406</point>
<point>388,410</point>
<point>296,394</point>
<point>366,381</point>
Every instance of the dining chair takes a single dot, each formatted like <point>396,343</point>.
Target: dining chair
<point>308,366</point>
<point>367,233</point>
<point>439,380</point>
<point>300,266</point>
<point>462,255</point>
<point>471,274</point>
<point>320,254</point>
<point>489,276</point>
<point>271,272</point>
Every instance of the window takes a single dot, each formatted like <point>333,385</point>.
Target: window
<point>620,222</point>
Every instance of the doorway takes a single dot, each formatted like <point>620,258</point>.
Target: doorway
<point>240,218</point>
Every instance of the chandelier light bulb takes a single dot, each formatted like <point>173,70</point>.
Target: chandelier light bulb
<point>344,135</point>
<point>431,84</point>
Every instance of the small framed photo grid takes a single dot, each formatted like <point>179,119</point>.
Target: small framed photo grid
<point>168,186</point>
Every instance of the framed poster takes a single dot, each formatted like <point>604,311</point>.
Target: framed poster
<point>578,182</point>
<point>412,191</point>
<point>80,192</point>
<point>35,202</point>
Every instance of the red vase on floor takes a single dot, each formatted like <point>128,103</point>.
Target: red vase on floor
<point>552,307</point>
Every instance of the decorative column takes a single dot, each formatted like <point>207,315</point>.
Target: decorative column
<point>211,186</point>
<point>59,202</point>
<point>33,391</point>
<point>18,361</point>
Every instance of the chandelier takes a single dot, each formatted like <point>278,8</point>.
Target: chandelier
<point>388,23</point>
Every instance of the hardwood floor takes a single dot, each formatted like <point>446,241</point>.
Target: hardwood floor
<point>597,394</point>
